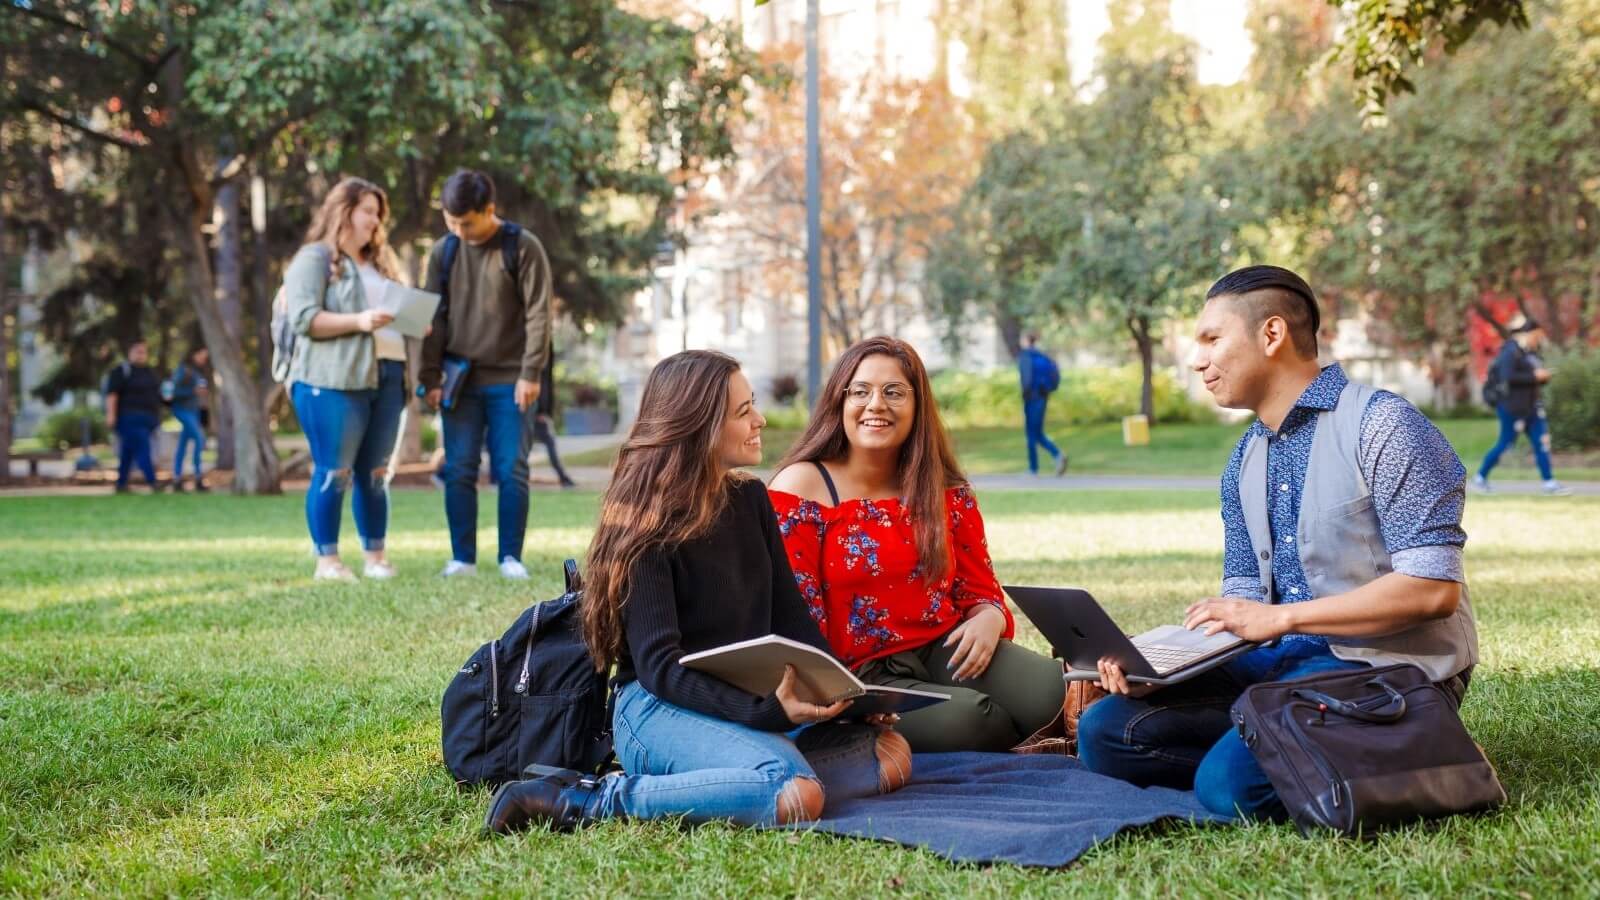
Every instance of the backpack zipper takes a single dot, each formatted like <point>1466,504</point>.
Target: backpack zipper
<point>494,679</point>
<point>1317,759</point>
<point>527,658</point>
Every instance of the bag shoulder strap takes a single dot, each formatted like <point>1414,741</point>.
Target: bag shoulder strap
<point>828,480</point>
<point>510,247</point>
<point>447,262</point>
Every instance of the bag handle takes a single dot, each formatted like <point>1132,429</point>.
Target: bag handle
<point>1389,712</point>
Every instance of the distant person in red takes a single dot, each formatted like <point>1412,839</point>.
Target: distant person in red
<point>887,545</point>
<point>1512,387</point>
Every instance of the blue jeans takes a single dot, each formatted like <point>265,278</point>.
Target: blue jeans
<point>1033,421</point>
<point>486,409</point>
<point>189,418</point>
<point>133,446</point>
<point>1510,424</point>
<point>352,436</point>
<point>1181,736</point>
<point>683,763</point>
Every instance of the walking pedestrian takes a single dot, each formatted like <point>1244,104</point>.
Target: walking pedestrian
<point>1515,381</point>
<point>186,392</point>
<point>1040,379</point>
<point>133,413</point>
<point>544,421</point>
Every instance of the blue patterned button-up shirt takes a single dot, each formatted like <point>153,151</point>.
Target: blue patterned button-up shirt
<point>1417,482</point>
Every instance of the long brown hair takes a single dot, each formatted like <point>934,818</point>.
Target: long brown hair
<point>333,217</point>
<point>927,463</point>
<point>667,487</point>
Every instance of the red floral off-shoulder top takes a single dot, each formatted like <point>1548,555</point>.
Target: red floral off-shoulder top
<point>856,566</point>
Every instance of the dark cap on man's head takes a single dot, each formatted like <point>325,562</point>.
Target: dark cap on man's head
<point>1526,325</point>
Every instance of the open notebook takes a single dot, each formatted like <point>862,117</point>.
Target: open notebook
<point>757,666</point>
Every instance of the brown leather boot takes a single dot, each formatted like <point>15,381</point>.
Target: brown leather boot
<point>552,796</point>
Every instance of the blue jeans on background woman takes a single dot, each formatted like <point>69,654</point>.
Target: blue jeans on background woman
<point>192,434</point>
<point>683,763</point>
<point>1510,424</point>
<point>352,436</point>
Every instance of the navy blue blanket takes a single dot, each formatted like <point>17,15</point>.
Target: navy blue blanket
<point>1002,807</point>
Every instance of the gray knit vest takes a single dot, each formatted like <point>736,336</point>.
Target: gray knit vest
<point>1341,544</point>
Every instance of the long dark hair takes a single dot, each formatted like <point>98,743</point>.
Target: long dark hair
<point>927,463</point>
<point>667,487</point>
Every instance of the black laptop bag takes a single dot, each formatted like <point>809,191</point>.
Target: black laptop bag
<point>1358,750</point>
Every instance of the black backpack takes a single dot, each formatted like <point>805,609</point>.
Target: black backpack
<point>531,696</point>
<point>1495,391</point>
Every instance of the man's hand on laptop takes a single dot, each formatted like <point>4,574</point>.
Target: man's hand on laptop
<point>1112,679</point>
<point>1249,619</point>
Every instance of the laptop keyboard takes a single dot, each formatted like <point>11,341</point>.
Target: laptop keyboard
<point>1165,659</point>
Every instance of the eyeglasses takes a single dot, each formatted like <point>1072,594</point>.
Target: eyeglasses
<point>894,394</point>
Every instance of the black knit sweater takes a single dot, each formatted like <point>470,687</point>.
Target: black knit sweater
<point>730,584</point>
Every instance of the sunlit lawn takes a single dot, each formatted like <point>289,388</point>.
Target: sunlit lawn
<point>183,712</point>
<point>1178,449</point>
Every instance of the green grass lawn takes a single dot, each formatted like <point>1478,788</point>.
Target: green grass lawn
<point>1182,449</point>
<point>183,712</point>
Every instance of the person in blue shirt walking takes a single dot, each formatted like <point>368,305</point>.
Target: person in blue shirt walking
<point>1342,549</point>
<point>1040,379</point>
<point>186,391</point>
<point>1515,379</point>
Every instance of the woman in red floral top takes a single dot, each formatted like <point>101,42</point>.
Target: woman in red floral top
<point>887,546</point>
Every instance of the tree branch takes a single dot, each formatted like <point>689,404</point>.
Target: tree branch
<point>230,168</point>
<point>42,109</point>
<point>65,22</point>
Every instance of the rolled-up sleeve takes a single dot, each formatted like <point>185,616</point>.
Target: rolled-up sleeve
<point>1419,488</point>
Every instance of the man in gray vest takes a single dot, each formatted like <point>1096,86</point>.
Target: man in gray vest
<point>1341,510</point>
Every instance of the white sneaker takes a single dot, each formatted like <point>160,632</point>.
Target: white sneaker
<point>1481,485</point>
<point>378,570</point>
<point>511,567</point>
<point>333,572</point>
<point>1555,488</point>
<point>456,567</point>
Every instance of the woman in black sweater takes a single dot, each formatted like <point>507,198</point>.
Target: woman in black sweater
<point>687,557</point>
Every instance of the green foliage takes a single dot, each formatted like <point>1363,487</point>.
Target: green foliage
<point>428,435</point>
<point>64,430</point>
<point>1087,396</point>
<point>1572,399</point>
<point>1384,38</point>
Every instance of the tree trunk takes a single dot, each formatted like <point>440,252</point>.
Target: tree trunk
<point>1139,326</point>
<point>260,283</point>
<point>255,468</point>
<point>411,435</point>
<point>5,357</point>
<point>229,278</point>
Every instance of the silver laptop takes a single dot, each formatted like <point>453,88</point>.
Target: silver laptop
<point>1081,632</point>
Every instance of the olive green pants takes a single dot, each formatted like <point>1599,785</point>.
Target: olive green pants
<point>1017,695</point>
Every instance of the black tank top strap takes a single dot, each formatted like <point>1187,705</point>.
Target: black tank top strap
<point>828,480</point>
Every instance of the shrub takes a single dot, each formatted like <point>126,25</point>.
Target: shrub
<point>1572,399</point>
<point>427,435</point>
<point>64,429</point>
<point>1087,396</point>
<point>581,393</point>
<point>785,388</point>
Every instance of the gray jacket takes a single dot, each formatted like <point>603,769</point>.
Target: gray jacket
<point>348,362</point>
<point>1341,544</point>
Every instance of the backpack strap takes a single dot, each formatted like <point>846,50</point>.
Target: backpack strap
<point>828,480</point>
<point>510,247</point>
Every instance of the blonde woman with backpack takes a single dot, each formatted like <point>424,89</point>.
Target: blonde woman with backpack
<point>347,371</point>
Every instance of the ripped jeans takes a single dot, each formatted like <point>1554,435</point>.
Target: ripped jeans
<point>352,436</point>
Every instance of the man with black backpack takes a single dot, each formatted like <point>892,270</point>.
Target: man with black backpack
<point>482,362</point>
<point>133,413</point>
<point>1512,387</point>
<point>1040,379</point>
